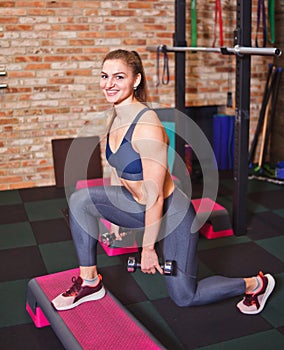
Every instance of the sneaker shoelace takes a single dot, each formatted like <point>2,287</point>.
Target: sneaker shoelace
<point>74,290</point>
<point>251,299</point>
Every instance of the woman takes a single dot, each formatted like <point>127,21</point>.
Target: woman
<point>143,195</point>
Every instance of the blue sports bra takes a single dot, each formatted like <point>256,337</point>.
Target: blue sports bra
<point>126,160</point>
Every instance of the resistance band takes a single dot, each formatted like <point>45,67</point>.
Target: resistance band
<point>271,19</point>
<point>218,13</point>
<point>193,24</point>
<point>229,92</point>
<point>230,66</point>
<point>166,71</point>
<point>261,12</point>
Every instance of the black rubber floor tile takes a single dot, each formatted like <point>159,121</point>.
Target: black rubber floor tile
<point>224,190</point>
<point>21,263</point>
<point>48,231</point>
<point>261,186</point>
<point>16,235</point>
<point>41,193</point>
<point>265,225</point>
<point>122,285</point>
<point>13,306</point>
<point>45,209</point>
<point>12,213</point>
<point>10,197</point>
<point>204,325</point>
<point>154,286</point>
<point>27,336</point>
<point>59,256</point>
<point>241,260</point>
<point>274,246</point>
<point>273,311</point>
<point>268,340</point>
<point>269,199</point>
<point>281,329</point>
<point>147,314</point>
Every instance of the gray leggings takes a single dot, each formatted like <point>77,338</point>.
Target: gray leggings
<point>177,241</point>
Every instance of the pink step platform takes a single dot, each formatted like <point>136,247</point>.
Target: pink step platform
<point>103,324</point>
<point>218,223</point>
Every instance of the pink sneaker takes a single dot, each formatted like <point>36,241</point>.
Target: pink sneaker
<point>253,303</point>
<point>78,294</point>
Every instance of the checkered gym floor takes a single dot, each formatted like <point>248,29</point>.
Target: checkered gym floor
<point>35,240</point>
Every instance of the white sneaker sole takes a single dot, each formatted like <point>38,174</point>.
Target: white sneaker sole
<point>269,289</point>
<point>91,297</point>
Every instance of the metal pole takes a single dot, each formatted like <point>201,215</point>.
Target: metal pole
<point>242,116</point>
<point>180,41</point>
<point>236,50</point>
<point>259,51</point>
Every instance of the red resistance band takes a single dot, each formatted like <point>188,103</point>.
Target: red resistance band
<point>218,13</point>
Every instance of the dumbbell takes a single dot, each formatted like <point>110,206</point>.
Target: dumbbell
<point>132,265</point>
<point>108,238</point>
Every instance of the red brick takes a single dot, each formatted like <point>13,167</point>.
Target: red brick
<point>59,4</point>
<point>39,66</point>
<point>5,20</point>
<point>122,13</point>
<point>140,5</point>
<point>61,81</point>
<point>7,4</point>
<point>27,59</point>
<point>81,42</point>
<point>19,27</point>
<point>30,4</point>
<point>80,72</point>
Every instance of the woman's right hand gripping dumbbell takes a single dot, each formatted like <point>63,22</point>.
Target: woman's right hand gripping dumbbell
<point>150,261</point>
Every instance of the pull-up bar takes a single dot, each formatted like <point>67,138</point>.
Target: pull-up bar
<point>236,50</point>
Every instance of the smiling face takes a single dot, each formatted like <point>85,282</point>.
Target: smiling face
<point>118,82</point>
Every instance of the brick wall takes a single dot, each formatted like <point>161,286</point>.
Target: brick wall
<point>52,51</point>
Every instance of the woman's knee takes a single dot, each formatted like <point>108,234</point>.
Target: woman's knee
<point>182,289</point>
<point>182,303</point>
<point>78,200</point>
<point>184,300</point>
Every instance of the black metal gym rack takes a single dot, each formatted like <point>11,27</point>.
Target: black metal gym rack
<point>243,52</point>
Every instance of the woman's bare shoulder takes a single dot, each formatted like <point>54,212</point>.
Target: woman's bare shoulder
<point>150,117</point>
<point>150,126</point>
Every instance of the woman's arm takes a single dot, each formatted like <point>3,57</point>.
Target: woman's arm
<point>151,143</point>
<point>115,181</point>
